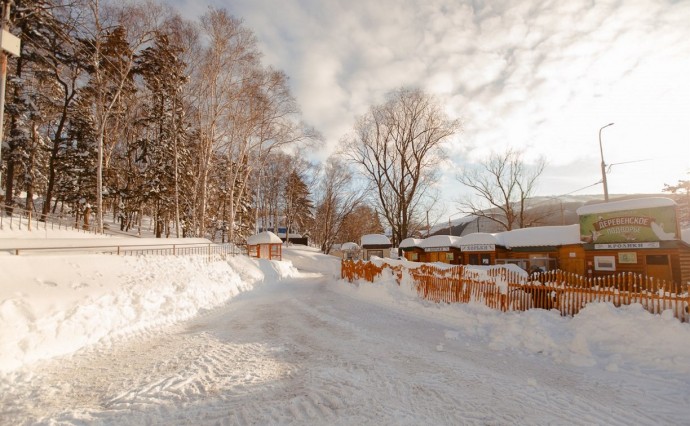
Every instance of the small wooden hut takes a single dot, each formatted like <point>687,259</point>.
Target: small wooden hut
<point>411,249</point>
<point>350,251</point>
<point>375,245</point>
<point>542,248</point>
<point>640,236</point>
<point>442,248</point>
<point>478,248</point>
<point>265,245</point>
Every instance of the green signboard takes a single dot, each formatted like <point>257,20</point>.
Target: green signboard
<point>629,226</point>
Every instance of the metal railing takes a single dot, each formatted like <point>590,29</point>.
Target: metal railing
<point>17,218</point>
<point>210,250</point>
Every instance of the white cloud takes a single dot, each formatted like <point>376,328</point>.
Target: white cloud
<point>542,77</point>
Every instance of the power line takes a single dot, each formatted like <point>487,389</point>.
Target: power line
<point>580,189</point>
<point>608,170</point>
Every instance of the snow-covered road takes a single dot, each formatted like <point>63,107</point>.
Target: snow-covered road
<point>298,352</point>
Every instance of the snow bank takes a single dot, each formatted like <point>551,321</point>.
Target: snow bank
<point>600,336</point>
<point>54,305</point>
<point>310,259</point>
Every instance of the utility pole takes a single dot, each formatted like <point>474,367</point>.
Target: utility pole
<point>10,45</point>
<point>603,165</point>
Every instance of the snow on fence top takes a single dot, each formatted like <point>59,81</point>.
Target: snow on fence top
<point>441,241</point>
<point>540,236</point>
<point>375,240</point>
<point>614,206</point>
<point>266,237</point>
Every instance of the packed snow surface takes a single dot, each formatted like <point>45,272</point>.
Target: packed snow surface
<point>101,339</point>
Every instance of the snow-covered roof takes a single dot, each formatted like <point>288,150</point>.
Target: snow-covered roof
<point>410,242</point>
<point>540,236</point>
<point>292,235</point>
<point>349,246</point>
<point>614,206</point>
<point>455,222</point>
<point>478,238</point>
<point>375,240</point>
<point>266,237</point>
<point>440,241</point>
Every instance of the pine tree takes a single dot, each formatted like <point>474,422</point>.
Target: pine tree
<point>298,205</point>
<point>29,105</point>
<point>162,71</point>
<point>77,156</point>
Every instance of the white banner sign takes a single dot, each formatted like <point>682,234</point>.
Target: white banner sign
<point>430,249</point>
<point>478,247</point>
<point>654,244</point>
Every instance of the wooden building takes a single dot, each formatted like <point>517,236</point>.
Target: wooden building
<point>375,245</point>
<point>350,251</point>
<point>442,248</point>
<point>265,245</point>
<point>641,236</point>
<point>478,248</point>
<point>542,248</point>
<point>410,249</point>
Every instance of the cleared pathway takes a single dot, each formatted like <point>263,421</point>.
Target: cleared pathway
<point>299,353</point>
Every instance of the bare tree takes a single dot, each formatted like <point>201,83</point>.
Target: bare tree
<point>502,185</point>
<point>264,120</point>
<point>362,221</point>
<point>230,51</point>
<point>399,147</point>
<point>337,199</point>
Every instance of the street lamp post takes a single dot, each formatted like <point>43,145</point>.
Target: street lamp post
<point>603,165</point>
<point>450,228</point>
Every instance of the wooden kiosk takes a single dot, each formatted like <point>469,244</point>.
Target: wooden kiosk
<point>641,236</point>
<point>410,249</point>
<point>350,251</point>
<point>375,245</point>
<point>442,248</point>
<point>478,248</point>
<point>542,248</point>
<point>265,245</point>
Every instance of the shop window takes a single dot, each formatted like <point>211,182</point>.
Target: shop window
<point>657,259</point>
<point>604,263</point>
<point>372,253</point>
<point>522,263</point>
<point>479,259</point>
<point>275,251</point>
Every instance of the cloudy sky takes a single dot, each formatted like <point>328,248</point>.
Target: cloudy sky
<point>542,76</point>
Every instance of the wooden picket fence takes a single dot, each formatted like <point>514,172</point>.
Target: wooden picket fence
<point>509,291</point>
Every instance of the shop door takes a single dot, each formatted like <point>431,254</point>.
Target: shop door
<point>658,266</point>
